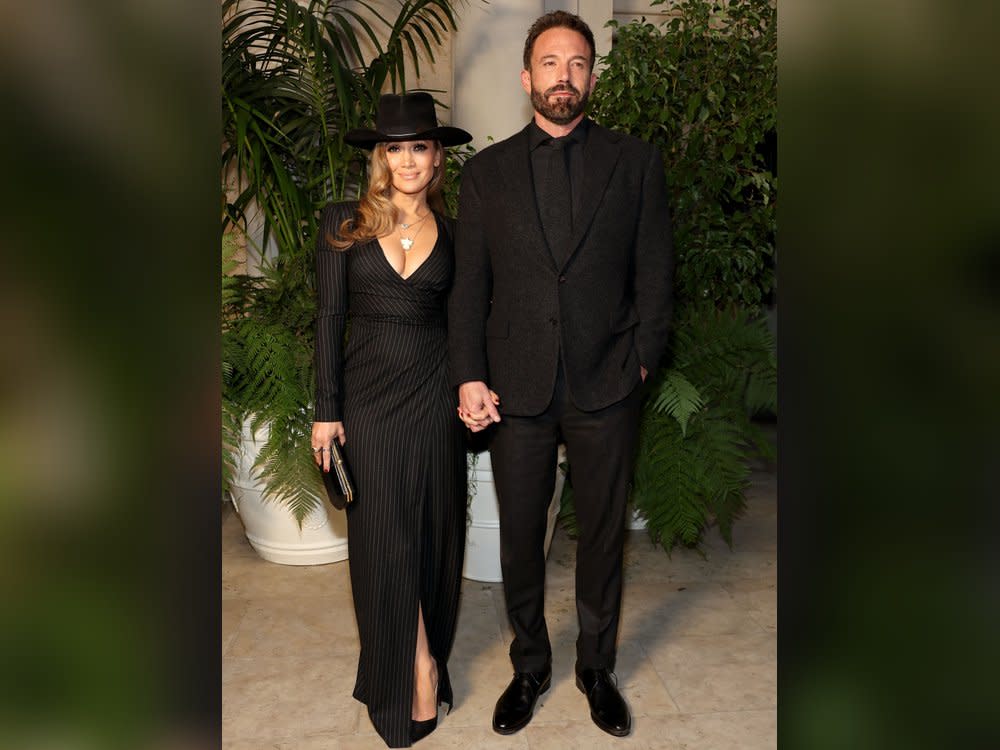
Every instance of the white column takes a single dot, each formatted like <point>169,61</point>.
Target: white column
<point>595,12</point>
<point>488,100</point>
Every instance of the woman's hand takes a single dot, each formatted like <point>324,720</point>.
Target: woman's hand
<point>323,435</point>
<point>477,405</point>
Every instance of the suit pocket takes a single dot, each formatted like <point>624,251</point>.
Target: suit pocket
<point>497,328</point>
<point>631,360</point>
<point>622,320</point>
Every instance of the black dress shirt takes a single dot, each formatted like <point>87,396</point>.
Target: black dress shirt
<point>575,142</point>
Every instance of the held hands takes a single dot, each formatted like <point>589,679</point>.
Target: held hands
<point>323,435</point>
<point>477,405</point>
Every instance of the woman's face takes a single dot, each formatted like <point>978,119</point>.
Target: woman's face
<point>412,165</point>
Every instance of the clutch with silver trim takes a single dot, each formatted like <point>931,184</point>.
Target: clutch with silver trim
<point>338,482</point>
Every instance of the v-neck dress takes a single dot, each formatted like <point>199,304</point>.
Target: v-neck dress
<point>406,450</point>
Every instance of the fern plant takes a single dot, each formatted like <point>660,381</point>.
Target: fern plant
<point>692,466</point>
<point>295,78</point>
<point>696,441</point>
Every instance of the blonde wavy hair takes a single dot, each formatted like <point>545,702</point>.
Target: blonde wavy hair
<point>376,216</point>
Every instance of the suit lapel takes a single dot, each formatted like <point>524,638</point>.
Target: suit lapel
<point>516,172</point>
<point>600,156</point>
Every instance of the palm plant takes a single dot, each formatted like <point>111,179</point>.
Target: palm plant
<point>295,78</point>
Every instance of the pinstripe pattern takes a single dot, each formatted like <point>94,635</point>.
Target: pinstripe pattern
<point>405,447</point>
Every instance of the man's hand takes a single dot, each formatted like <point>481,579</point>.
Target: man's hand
<point>477,405</point>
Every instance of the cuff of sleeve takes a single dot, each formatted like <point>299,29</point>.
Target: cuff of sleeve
<point>651,364</point>
<point>468,376</point>
<point>328,412</point>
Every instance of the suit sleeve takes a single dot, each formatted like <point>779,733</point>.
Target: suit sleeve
<point>654,264</point>
<point>469,300</point>
<point>331,316</point>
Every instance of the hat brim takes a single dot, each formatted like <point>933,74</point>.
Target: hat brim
<point>446,135</point>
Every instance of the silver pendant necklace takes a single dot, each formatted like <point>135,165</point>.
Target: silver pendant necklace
<point>407,242</point>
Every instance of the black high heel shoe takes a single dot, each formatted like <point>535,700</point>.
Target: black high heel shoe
<point>420,729</point>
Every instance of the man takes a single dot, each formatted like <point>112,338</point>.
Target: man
<point>560,306</point>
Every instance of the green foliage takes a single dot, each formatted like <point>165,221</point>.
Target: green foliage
<point>731,356</point>
<point>680,484</point>
<point>695,442</point>
<point>703,88</point>
<point>687,478</point>
<point>677,398</point>
<point>230,422</point>
<point>567,506</point>
<point>267,380</point>
<point>454,160</point>
<point>295,78</point>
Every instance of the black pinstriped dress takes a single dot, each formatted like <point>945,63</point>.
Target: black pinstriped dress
<point>405,446</point>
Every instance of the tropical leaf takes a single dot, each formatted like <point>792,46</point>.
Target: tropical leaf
<point>684,483</point>
<point>677,398</point>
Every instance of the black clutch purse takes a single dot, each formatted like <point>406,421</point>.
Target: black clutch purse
<point>338,482</point>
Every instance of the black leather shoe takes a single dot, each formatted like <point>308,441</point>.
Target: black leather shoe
<point>513,711</point>
<point>420,729</point>
<point>607,707</point>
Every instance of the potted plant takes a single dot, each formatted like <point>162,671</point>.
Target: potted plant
<point>294,79</point>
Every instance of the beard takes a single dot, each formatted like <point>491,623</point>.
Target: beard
<point>563,111</point>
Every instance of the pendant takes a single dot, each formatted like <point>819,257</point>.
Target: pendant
<point>406,242</point>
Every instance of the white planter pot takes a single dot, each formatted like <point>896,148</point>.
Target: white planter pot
<point>635,521</point>
<point>271,528</point>
<point>482,545</point>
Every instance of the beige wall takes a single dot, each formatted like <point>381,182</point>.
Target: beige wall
<point>489,100</point>
<point>436,75</point>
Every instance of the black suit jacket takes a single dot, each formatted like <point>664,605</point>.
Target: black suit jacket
<point>514,311</point>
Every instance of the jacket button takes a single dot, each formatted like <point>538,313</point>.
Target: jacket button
<point>553,321</point>
<point>562,279</point>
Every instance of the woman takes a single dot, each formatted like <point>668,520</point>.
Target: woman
<point>387,260</point>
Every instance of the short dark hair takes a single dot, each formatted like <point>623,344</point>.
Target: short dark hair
<point>553,20</point>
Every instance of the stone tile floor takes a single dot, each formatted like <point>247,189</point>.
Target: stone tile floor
<point>697,658</point>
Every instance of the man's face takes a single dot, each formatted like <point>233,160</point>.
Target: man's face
<point>560,78</point>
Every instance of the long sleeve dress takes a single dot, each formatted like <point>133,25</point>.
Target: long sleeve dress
<point>405,448</point>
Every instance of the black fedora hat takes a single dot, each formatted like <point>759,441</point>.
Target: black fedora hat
<point>406,117</point>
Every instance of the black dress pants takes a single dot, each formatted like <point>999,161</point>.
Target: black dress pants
<point>601,448</point>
